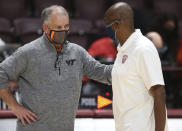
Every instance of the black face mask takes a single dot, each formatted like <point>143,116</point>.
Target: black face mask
<point>58,37</point>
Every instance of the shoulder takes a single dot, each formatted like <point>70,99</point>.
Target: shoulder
<point>31,46</point>
<point>145,46</point>
<point>78,51</point>
<point>75,47</point>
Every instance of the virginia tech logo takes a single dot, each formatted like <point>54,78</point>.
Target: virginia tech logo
<point>70,62</point>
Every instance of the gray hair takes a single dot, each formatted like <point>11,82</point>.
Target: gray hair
<point>46,13</point>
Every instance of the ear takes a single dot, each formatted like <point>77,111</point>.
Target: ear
<point>115,25</point>
<point>45,29</point>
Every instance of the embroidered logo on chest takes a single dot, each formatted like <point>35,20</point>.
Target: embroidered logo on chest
<point>70,62</point>
<point>125,57</point>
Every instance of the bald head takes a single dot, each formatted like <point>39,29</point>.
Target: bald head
<point>120,11</point>
<point>156,39</point>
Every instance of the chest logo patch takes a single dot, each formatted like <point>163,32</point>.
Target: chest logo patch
<point>125,57</point>
<point>70,62</point>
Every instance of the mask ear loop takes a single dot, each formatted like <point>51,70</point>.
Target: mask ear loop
<point>117,41</point>
<point>117,28</point>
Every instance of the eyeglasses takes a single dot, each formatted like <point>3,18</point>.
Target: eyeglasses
<point>58,27</point>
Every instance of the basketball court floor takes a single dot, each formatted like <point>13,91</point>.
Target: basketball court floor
<point>90,124</point>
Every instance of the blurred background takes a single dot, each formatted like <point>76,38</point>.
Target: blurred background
<point>159,20</point>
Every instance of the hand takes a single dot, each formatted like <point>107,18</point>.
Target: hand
<point>24,114</point>
<point>13,85</point>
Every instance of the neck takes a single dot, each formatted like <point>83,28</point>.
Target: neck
<point>125,35</point>
<point>57,46</point>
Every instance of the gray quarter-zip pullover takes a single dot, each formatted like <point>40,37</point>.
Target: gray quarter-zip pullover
<point>50,83</point>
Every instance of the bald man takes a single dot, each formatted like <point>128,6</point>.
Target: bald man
<point>49,72</point>
<point>156,39</point>
<point>137,79</point>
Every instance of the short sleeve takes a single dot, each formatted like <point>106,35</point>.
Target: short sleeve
<point>149,66</point>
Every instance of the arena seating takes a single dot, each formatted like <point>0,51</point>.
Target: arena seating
<point>80,31</point>
<point>39,5</point>
<point>12,9</point>
<point>6,30</point>
<point>27,29</point>
<point>133,3</point>
<point>90,9</point>
<point>168,6</point>
<point>100,27</point>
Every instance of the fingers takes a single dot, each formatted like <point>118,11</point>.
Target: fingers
<point>27,119</point>
<point>22,121</point>
<point>33,114</point>
<point>26,116</point>
<point>32,118</point>
<point>29,116</point>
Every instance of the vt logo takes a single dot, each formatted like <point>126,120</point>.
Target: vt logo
<point>70,62</point>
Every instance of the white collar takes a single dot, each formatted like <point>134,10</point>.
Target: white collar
<point>130,40</point>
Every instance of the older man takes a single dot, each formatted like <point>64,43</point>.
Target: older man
<point>138,86</point>
<point>49,70</point>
